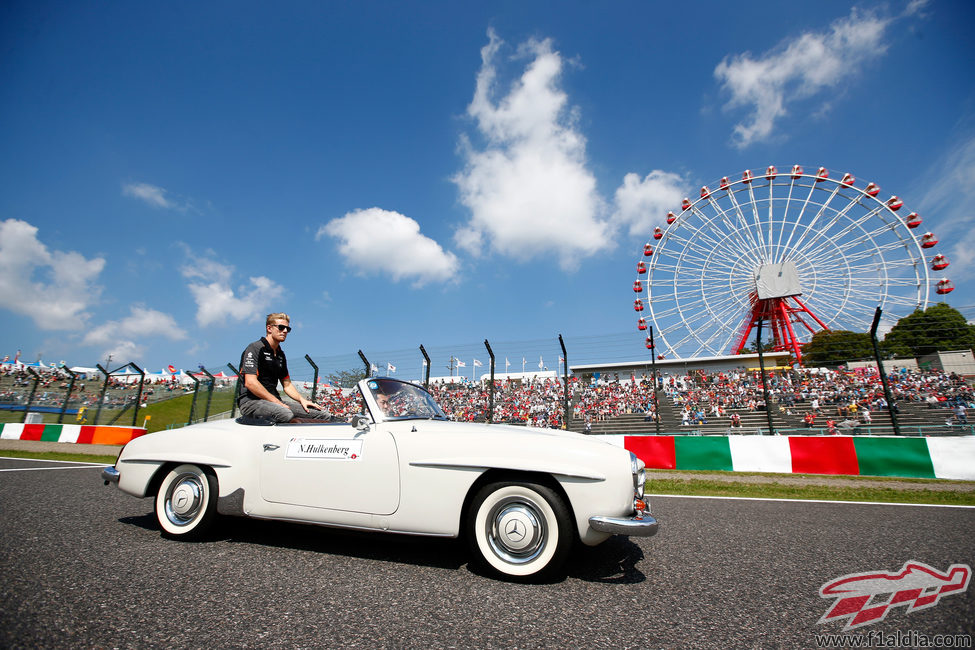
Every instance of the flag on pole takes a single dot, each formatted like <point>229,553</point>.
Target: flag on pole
<point>390,367</point>
<point>373,367</point>
<point>477,364</point>
<point>461,364</point>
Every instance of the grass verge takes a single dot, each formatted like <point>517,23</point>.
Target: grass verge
<point>57,455</point>
<point>170,412</point>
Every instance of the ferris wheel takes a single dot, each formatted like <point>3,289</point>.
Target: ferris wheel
<point>797,252</point>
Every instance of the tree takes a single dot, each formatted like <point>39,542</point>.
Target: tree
<point>346,378</point>
<point>937,328</point>
<point>836,346</point>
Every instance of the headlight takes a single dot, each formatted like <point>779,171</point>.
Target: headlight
<point>639,475</point>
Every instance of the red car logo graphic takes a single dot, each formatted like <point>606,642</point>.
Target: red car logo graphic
<point>859,596</point>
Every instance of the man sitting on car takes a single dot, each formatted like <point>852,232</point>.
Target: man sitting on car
<point>262,366</point>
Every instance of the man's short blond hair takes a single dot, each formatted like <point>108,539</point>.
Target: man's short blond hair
<point>276,316</point>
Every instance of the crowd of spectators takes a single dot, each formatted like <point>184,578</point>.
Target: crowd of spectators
<point>835,395</point>
<point>537,403</point>
<point>819,397</point>
<point>341,403</point>
<point>52,384</point>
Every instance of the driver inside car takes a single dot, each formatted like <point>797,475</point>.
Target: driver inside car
<point>383,400</point>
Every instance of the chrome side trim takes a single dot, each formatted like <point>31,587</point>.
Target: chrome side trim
<point>110,475</point>
<point>372,529</point>
<point>480,465</point>
<point>645,527</point>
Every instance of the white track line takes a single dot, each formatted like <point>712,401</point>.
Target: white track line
<point>49,469</point>
<point>75,464</point>
<point>857,503</point>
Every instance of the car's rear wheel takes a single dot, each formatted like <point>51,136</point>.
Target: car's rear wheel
<point>186,503</point>
<point>519,529</point>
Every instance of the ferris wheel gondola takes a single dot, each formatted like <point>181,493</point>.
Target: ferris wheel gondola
<point>800,252</point>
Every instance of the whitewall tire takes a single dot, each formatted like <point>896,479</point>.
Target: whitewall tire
<point>186,502</point>
<point>520,529</point>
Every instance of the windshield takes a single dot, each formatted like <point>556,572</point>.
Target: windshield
<point>400,400</point>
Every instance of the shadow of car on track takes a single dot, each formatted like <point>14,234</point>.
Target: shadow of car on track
<point>612,562</point>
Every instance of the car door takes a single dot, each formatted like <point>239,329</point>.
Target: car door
<point>331,466</point>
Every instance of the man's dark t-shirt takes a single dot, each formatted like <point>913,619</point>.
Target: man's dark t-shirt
<point>259,359</point>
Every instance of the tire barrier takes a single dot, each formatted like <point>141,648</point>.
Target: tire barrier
<point>943,457</point>
<point>76,433</point>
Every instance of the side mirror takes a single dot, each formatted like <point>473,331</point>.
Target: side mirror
<point>360,422</point>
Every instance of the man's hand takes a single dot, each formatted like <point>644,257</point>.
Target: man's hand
<point>307,404</point>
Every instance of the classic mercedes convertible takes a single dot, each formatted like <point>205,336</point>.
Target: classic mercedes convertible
<point>521,496</point>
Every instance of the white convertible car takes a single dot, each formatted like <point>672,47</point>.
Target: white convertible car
<point>520,496</point>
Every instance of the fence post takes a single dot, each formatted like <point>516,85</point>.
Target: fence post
<point>366,362</point>
<point>314,380</point>
<point>891,407</point>
<point>565,386</point>
<point>30,397</point>
<point>138,397</point>
<point>67,398</point>
<point>196,389</point>
<point>101,398</point>
<point>761,367</point>
<point>490,417</point>
<point>233,407</point>
<point>426,357</point>
<point>206,411</point>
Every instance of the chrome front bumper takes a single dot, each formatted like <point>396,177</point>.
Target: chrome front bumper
<point>642,527</point>
<point>110,475</point>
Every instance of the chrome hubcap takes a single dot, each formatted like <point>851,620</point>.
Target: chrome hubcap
<point>184,499</point>
<point>516,530</point>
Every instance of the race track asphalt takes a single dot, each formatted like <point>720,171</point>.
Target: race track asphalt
<point>83,565</point>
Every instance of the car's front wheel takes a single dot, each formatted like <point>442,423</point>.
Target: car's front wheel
<point>186,502</point>
<point>520,529</point>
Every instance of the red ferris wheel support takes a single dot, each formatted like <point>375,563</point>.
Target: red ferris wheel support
<point>780,315</point>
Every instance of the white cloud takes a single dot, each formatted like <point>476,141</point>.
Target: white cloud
<point>961,257</point>
<point>217,301</point>
<point>154,196</point>
<point>916,7</point>
<point>158,197</point>
<point>124,351</point>
<point>528,189</point>
<point>951,197</point>
<point>141,323</point>
<point>376,240</point>
<point>951,185</point>
<point>54,288</point>
<point>798,69</point>
<point>642,204</point>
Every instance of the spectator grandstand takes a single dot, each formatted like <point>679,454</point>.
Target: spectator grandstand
<point>804,400</point>
<point>46,389</point>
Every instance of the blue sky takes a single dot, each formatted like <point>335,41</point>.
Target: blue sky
<point>394,173</point>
